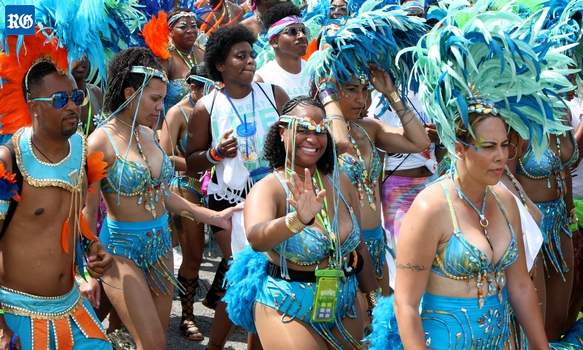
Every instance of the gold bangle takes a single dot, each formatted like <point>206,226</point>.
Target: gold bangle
<point>293,222</point>
<point>394,97</point>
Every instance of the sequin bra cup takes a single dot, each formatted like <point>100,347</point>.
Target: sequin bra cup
<point>310,246</point>
<point>459,259</point>
<point>549,164</point>
<point>130,178</point>
<point>177,89</point>
<point>355,169</point>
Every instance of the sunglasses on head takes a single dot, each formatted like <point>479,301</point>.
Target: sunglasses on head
<point>304,125</point>
<point>295,30</point>
<point>60,98</point>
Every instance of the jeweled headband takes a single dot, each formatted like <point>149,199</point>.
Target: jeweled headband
<point>149,71</point>
<point>305,123</point>
<point>172,20</point>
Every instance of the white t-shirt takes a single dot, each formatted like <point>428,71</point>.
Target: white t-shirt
<point>576,106</point>
<point>414,160</point>
<point>293,84</point>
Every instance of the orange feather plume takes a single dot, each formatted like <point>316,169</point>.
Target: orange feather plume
<point>96,169</point>
<point>65,236</point>
<point>14,65</point>
<point>157,35</point>
<point>85,230</point>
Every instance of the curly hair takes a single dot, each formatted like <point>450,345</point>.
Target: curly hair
<point>219,44</point>
<point>278,12</point>
<point>119,76</point>
<point>274,149</point>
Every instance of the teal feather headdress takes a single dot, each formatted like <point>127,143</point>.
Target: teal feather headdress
<point>492,58</point>
<point>90,28</point>
<point>373,37</point>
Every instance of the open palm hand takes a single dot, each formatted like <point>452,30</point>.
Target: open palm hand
<point>303,198</point>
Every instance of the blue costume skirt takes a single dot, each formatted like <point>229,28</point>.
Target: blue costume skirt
<point>248,283</point>
<point>555,222</point>
<point>377,247</point>
<point>146,243</point>
<point>63,322</point>
<point>459,323</point>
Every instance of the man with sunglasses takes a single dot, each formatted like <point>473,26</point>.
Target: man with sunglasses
<point>39,232</point>
<point>289,38</point>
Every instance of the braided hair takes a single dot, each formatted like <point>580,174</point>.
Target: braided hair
<point>119,76</point>
<point>274,148</point>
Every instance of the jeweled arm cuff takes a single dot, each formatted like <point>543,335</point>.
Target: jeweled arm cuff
<point>4,208</point>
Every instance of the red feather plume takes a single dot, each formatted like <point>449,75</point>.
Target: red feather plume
<point>157,35</point>
<point>14,112</point>
<point>96,169</point>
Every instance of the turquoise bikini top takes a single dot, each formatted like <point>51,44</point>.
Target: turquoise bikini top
<point>549,165</point>
<point>177,89</point>
<point>130,178</point>
<point>459,259</point>
<point>310,246</point>
<point>356,169</point>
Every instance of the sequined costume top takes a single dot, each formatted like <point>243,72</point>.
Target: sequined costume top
<point>310,246</point>
<point>459,259</point>
<point>177,89</point>
<point>130,178</point>
<point>356,170</point>
<point>549,165</point>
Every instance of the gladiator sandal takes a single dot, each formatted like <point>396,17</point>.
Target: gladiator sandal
<point>188,327</point>
<point>216,291</point>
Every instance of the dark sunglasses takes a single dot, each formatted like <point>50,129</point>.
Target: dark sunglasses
<point>60,99</point>
<point>295,30</point>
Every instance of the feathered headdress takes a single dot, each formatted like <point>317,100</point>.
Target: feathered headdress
<point>373,37</point>
<point>86,28</point>
<point>156,35</point>
<point>486,63</point>
<point>14,65</point>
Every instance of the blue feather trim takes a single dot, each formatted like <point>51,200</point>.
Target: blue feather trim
<point>245,278</point>
<point>385,332</point>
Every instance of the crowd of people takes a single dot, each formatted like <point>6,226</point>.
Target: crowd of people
<point>376,174</point>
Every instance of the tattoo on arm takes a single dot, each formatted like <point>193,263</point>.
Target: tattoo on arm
<point>412,267</point>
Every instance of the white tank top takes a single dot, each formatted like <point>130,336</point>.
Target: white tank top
<point>258,110</point>
<point>293,84</point>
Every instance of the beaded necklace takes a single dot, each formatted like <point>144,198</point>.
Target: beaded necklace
<point>187,58</point>
<point>151,194</point>
<point>365,185</point>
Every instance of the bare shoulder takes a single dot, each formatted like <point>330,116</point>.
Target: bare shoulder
<point>98,141</point>
<point>431,201</point>
<point>506,199</point>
